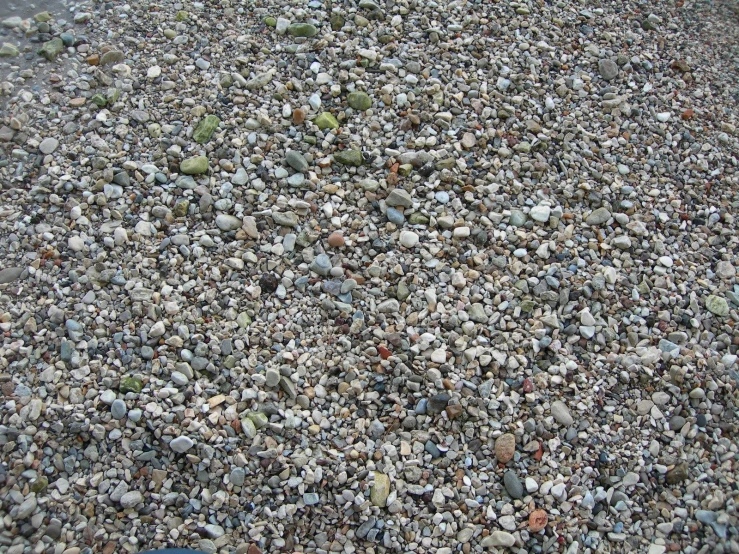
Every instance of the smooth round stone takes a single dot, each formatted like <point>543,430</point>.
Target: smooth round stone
<point>442,197</point>
<point>108,397</point>
<point>336,240</point>
<point>520,252</point>
<point>513,484</point>
<point>118,409</point>
<point>409,239</point>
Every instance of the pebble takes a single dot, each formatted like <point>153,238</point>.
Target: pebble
<point>409,239</point>
<point>505,447</point>
<point>513,484</point>
<point>118,409</point>
<point>181,444</point>
<point>561,413</point>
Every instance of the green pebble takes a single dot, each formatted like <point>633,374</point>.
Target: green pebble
<point>270,21</point>
<point>99,100</point>
<point>51,49</point>
<point>170,33</point>
<point>182,15</point>
<point>205,129</point>
<point>417,218</point>
<point>194,166</point>
<point>326,121</point>
<point>305,30</point>
<point>359,101</point>
<point>243,320</point>
<point>405,169</point>
<point>112,95</point>
<point>8,50</point>
<point>40,484</point>
<point>155,130</point>
<point>42,17</point>
<point>130,384</point>
<point>310,140</point>
<point>446,163</point>
<point>349,157</point>
<point>337,21</point>
<point>181,208</point>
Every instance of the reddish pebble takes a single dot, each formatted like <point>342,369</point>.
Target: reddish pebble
<point>537,520</point>
<point>384,352</point>
<point>298,116</point>
<point>335,240</point>
<point>528,386</point>
<point>688,114</point>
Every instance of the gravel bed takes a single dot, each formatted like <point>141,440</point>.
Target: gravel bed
<point>370,276</point>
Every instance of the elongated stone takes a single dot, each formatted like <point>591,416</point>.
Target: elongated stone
<point>349,157</point>
<point>380,490</point>
<point>302,30</point>
<point>205,129</point>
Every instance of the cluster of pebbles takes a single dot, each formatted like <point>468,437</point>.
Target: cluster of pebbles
<point>370,276</point>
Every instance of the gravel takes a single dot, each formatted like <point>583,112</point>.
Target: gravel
<point>375,276</point>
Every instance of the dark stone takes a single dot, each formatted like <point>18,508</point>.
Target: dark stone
<point>438,403</point>
<point>269,282</point>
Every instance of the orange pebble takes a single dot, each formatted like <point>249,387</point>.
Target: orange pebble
<point>537,520</point>
<point>336,240</point>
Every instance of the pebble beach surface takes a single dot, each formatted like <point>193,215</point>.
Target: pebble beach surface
<point>369,276</point>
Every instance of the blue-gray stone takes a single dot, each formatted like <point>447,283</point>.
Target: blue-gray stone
<point>421,406</point>
<point>118,409</point>
<point>237,477</point>
<point>74,330</point>
<point>442,197</point>
<point>147,352</point>
<point>709,517</point>
<point>301,282</point>
<point>346,298</point>
<point>67,348</point>
<point>226,347</point>
<point>321,264</point>
<point>432,449</point>
<point>311,498</point>
<point>513,484</point>
<point>394,216</point>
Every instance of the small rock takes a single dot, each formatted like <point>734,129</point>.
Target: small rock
<point>297,161</point>
<point>561,413</point>
<point>537,520</point>
<point>513,484</point>
<point>326,121</point>
<point>181,444</point>
<point>359,101</point>
<point>194,166</point>
<point>717,305</point>
<point>409,239</point>
<point>598,217</point>
<point>131,499</point>
<point>380,490</point>
<point>505,448</point>
<point>608,69</point>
